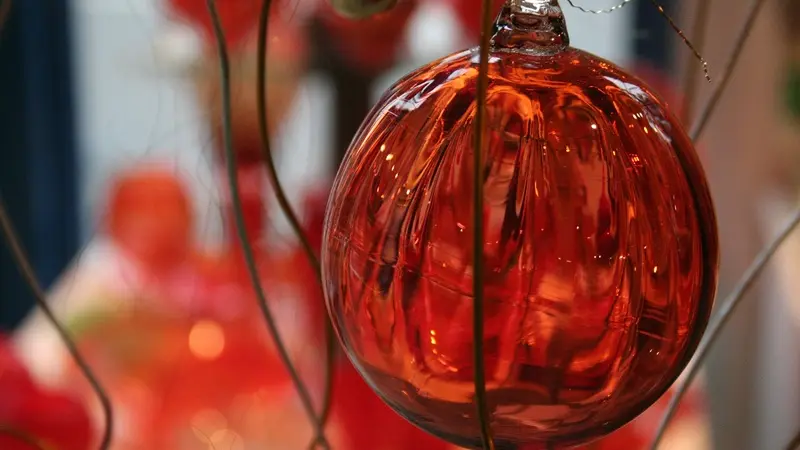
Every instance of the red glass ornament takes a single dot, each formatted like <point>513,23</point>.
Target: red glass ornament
<point>600,246</point>
<point>370,45</point>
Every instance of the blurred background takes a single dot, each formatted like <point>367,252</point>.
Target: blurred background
<point>107,119</point>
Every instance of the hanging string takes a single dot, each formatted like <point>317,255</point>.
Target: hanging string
<point>664,14</point>
<point>683,37</point>
<point>241,231</point>
<point>701,17</point>
<point>619,5</point>
<point>477,236</point>
<point>286,207</point>
<point>23,263</point>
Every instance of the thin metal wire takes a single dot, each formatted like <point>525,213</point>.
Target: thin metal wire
<point>280,192</point>
<point>720,319</point>
<point>230,160</point>
<point>477,243</point>
<point>663,14</point>
<point>23,263</point>
<point>21,436</point>
<point>686,40</point>
<point>619,5</point>
<point>701,16</point>
<point>705,113</point>
<point>286,207</point>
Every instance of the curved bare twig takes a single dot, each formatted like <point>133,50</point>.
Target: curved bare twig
<point>286,207</point>
<point>241,231</point>
<point>728,307</point>
<point>29,275</point>
<point>477,243</point>
<point>25,267</point>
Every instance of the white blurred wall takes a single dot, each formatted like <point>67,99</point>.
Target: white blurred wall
<point>134,103</point>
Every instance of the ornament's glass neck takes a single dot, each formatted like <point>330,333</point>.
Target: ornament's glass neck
<point>531,26</point>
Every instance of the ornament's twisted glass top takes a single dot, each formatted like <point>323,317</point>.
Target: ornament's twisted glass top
<point>600,247</point>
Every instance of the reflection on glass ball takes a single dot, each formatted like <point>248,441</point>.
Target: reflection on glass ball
<point>600,248</point>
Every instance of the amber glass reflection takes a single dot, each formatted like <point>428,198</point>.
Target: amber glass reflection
<point>600,248</point>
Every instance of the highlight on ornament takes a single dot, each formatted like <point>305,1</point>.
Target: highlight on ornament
<point>600,251</point>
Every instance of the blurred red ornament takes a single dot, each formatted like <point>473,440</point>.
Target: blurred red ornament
<point>370,45</point>
<point>149,216</point>
<point>600,246</point>
<point>220,363</point>
<point>186,381</point>
<point>52,418</point>
<point>468,13</point>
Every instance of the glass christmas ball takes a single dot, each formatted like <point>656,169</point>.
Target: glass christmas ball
<point>600,249</point>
